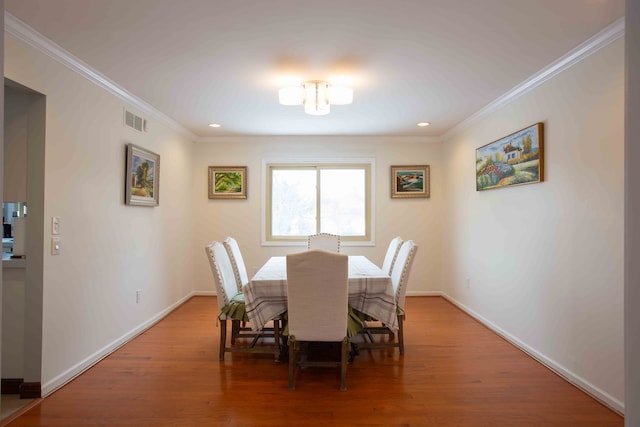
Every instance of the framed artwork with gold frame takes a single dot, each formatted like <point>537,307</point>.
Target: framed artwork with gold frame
<point>227,182</point>
<point>410,181</point>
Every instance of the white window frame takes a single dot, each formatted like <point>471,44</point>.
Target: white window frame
<point>324,162</point>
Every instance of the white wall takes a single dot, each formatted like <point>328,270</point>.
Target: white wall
<point>19,114</point>
<point>545,261</point>
<point>109,250</point>
<point>13,280</point>
<point>632,216</point>
<point>15,145</point>
<point>417,219</point>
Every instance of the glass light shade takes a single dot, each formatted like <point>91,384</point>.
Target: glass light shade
<point>316,96</point>
<point>316,101</point>
<point>340,95</point>
<point>292,95</point>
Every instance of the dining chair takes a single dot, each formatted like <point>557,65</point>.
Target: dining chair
<point>237,262</point>
<point>317,295</point>
<point>324,241</point>
<point>399,278</point>
<point>392,254</point>
<point>231,304</point>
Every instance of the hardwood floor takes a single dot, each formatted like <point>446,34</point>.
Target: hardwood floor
<point>455,372</point>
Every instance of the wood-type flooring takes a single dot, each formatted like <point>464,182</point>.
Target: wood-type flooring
<point>455,372</point>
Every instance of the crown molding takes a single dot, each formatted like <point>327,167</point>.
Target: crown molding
<point>28,35</point>
<point>25,33</point>
<point>318,138</point>
<point>608,35</point>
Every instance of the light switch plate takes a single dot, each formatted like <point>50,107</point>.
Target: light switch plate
<point>55,246</point>
<point>55,225</point>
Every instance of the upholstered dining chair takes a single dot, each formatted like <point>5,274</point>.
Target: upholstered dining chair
<point>317,295</point>
<point>237,262</point>
<point>392,254</point>
<point>324,241</point>
<point>399,278</point>
<point>232,307</point>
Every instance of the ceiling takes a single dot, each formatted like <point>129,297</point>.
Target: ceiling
<point>408,61</point>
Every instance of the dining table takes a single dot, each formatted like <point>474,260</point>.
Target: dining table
<point>370,292</point>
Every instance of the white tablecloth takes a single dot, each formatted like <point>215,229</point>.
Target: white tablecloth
<point>370,292</point>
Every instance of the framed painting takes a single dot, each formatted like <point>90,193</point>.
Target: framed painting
<point>227,182</point>
<point>516,159</point>
<point>410,181</point>
<point>142,177</point>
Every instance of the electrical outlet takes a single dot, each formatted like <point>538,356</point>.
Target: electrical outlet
<point>138,296</point>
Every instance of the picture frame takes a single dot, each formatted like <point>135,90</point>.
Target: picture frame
<point>227,182</point>
<point>142,177</point>
<point>410,181</point>
<point>515,159</point>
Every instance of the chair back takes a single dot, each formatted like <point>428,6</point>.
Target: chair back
<point>401,270</point>
<point>318,294</point>
<point>222,271</point>
<point>237,262</point>
<point>392,254</point>
<point>324,241</point>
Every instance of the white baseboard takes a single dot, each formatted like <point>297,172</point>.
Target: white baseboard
<point>595,392</point>
<point>204,294</point>
<point>62,379</point>
<point>424,293</point>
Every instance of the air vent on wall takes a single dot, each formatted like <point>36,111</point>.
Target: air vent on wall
<point>135,122</point>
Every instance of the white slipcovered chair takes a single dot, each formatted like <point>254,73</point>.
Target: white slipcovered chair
<point>231,304</point>
<point>392,254</point>
<point>317,294</point>
<point>324,241</point>
<point>239,268</point>
<point>399,278</point>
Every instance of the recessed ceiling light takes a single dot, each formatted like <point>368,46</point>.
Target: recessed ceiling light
<point>423,124</point>
<point>215,125</point>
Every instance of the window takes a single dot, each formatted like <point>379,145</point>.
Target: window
<point>304,199</point>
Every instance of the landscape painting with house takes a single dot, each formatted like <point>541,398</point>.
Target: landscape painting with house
<point>513,160</point>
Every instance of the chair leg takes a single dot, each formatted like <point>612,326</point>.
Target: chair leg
<point>235,330</point>
<point>343,364</point>
<point>223,337</point>
<point>292,361</point>
<point>276,338</point>
<point>401,333</point>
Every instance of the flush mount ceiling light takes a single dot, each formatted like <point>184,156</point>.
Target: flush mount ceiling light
<point>316,96</point>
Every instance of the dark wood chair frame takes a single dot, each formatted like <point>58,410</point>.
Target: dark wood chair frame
<point>239,330</point>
